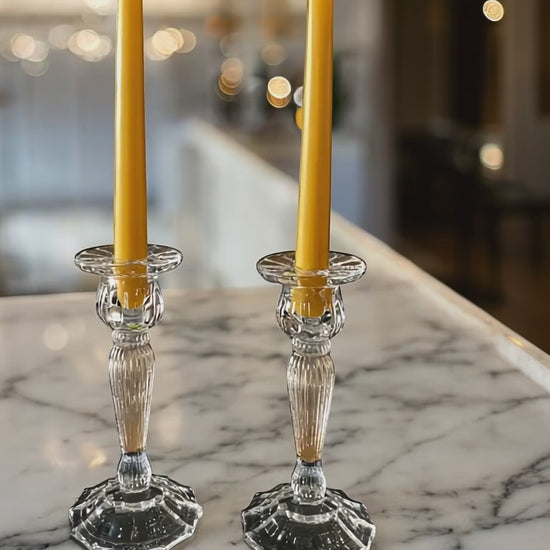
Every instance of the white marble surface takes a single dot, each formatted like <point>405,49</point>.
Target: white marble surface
<point>433,425</point>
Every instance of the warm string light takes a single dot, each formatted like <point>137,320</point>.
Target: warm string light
<point>87,44</point>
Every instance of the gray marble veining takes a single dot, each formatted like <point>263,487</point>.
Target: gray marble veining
<point>443,438</point>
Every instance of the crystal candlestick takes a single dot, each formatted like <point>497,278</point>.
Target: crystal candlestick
<point>304,514</point>
<point>135,509</point>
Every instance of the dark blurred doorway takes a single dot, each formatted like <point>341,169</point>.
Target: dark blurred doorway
<point>463,213</point>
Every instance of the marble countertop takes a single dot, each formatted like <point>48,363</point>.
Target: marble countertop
<point>434,423</point>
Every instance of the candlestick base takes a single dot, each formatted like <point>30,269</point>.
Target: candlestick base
<point>274,520</point>
<point>162,516</point>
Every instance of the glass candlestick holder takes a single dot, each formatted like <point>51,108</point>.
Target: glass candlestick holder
<point>135,509</point>
<point>304,514</point>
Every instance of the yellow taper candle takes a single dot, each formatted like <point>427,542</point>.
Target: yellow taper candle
<point>130,201</point>
<point>313,234</point>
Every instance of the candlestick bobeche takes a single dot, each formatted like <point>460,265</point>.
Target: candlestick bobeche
<point>304,514</point>
<point>136,509</point>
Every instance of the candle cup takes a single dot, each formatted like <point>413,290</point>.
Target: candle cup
<point>304,514</point>
<point>135,509</point>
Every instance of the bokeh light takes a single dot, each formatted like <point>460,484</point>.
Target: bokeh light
<point>32,53</point>
<point>33,68</point>
<point>152,53</point>
<point>177,36</point>
<point>87,41</point>
<point>22,45</point>
<point>491,156</point>
<point>166,41</point>
<point>93,455</point>
<point>40,52</point>
<point>59,36</point>
<point>103,49</point>
<point>231,45</point>
<point>273,54</point>
<point>89,45</point>
<point>278,92</point>
<point>55,337</point>
<point>493,10</point>
<point>102,7</point>
<point>189,41</point>
<point>232,71</point>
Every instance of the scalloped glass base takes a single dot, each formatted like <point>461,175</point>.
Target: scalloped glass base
<point>273,521</point>
<point>159,518</point>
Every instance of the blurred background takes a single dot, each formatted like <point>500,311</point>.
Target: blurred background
<point>441,139</point>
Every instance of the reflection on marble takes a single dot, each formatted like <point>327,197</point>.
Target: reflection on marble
<point>443,438</point>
